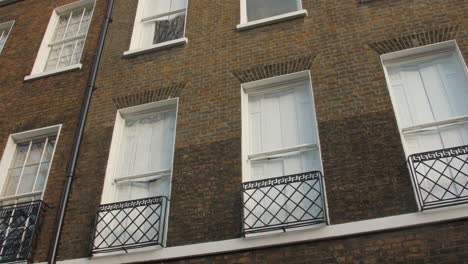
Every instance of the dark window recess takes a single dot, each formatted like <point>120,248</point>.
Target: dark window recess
<point>19,226</point>
<point>440,176</point>
<point>130,224</point>
<point>169,29</point>
<point>283,202</point>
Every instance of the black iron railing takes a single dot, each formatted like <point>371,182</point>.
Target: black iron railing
<point>440,177</point>
<point>19,225</point>
<point>130,224</point>
<point>283,202</point>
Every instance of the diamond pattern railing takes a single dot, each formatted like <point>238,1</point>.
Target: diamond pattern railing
<point>18,229</point>
<point>440,176</point>
<point>130,224</point>
<point>283,202</point>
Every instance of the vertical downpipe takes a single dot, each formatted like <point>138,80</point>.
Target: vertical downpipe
<point>78,136</point>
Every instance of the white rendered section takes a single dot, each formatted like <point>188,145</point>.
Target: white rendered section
<point>54,72</point>
<point>10,148</point>
<point>271,20</point>
<point>5,29</point>
<point>291,237</point>
<point>155,47</point>
<point>45,49</point>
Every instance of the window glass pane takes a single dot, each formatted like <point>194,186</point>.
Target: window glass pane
<point>258,9</point>
<point>66,55</point>
<point>61,27</point>
<point>77,52</point>
<point>20,155</point>
<point>12,181</point>
<point>72,29</point>
<point>35,153</point>
<point>53,57</point>
<point>49,149</point>
<point>281,119</point>
<point>3,38</point>
<point>27,179</point>
<point>154,7</point>
<point>85,22</point>
<point>169,28</point>
<point>41,177</point>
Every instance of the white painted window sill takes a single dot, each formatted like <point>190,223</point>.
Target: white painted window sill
<point>159,46</point>
<point>271,20</point>
<point>52,73</point>
<point>117,254</point>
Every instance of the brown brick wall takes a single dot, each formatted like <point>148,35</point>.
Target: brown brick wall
<point>43,102</point>
<point>364,163</point>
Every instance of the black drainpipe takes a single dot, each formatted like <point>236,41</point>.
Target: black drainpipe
<point>78,136</point>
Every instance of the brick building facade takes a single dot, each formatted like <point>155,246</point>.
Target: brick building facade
<point>200,79</point>
<point>39,102</point>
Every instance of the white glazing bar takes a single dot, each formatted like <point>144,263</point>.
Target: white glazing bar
<point>40,162</point>
<point>55,43</point>
<point>81,21</point>
<point>281,152</point>
<point>59,56</point>
<point>434,125</point>
<point>155,175</point>
<point>67,26</point>
<point>73,53</point>
<point>147,19</point>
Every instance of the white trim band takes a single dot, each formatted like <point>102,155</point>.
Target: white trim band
<point>290,237</point>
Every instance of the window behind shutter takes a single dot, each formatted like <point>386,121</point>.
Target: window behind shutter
<point>147,147</point>
<point>279,120</point>
<point>427,92</point>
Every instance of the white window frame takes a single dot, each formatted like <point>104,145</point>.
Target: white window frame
<point>9,152</point>
<point>245,24</point>
<point>109,190</point>
<point>8,26</point>
<point>44,50</point>
<point>135,45</point>
<point>265,86</point>
<point>415,55</point>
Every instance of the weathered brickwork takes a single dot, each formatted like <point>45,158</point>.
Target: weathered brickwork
<point>415,40</point>
<point>43,102</point>
<point>363,159</point>
<point>144,97</point>
<point>268,71</point>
